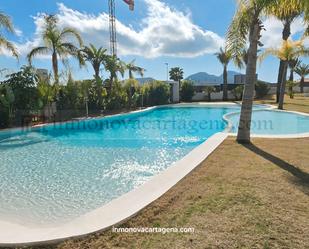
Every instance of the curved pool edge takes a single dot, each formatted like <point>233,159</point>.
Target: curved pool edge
<point>271,108</point>
<point>116,211</point>
<point>128,205</point>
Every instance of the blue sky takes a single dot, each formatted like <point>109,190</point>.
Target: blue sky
<point>181,32</point>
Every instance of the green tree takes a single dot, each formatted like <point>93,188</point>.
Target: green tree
<point>292,65</point>
<point>56,42</point>
<point>224,56</point>
<point>7,99</point>
<point>288,52</point>
<point>302,70</point>
<point>114,66</point>
<point>187,91</point>
<point>95,56</point>
<point>23,84</point>
<point>47,94</point>
<point>247,25</point>
<point>7,25</point>
<point>176,74</point>
<point>132,68</point>
<point>209,90</point>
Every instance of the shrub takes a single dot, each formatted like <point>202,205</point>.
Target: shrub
<point>117,98</point>
<point>186,91</point>
<point>238,92</point>
<point>156,93</point>
<point>291,84</point>
<point>262,89</point>
<point>132,89</point>
<point>209,90</point>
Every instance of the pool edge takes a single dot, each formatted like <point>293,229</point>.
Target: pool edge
<point>125,206</point>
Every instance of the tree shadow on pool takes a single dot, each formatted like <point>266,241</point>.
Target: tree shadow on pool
<point>300,178</point>
<point>18,142</point>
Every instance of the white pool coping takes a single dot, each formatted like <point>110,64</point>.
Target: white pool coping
<point>124,207</point>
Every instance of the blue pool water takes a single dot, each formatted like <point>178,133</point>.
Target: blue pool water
<point>275,123</point>
<point>56,173</point>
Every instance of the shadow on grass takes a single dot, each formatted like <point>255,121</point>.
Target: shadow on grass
<point>302,177</point>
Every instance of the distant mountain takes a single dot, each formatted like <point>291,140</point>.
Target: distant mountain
<point>204,78</point>
<point>142,81</point>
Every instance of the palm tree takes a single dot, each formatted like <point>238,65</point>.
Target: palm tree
<point>292,65</point>
<point>241,60</point>
<point>287,12</point>
<point>56,42</point>
<point>176,74</point>
<point>114,66</point>
<point>224,56</point>
<point>302,70</point>
<point>288,52</point>
<point>247,23</point>
<point>6,24</point>
<point>96,57</point>
<point>132,68</point>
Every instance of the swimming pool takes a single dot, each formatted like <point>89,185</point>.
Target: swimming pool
<point>52,174</point>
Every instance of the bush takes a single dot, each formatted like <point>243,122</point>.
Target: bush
<point>132,89</point>
<point>262,89</point>
<point>118,98</point>
<point>156,93</point>
<point>186,91</point>
<point>238,92</point>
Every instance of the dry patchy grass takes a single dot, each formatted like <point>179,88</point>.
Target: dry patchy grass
<point>299,103</point>
<point>252,196</point>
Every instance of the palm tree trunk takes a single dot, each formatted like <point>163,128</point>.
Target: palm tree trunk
<point>291,78</point>
<point>283,85</point>
<point>243,135</point>
<point>301,84</point>
<point>285,36</point>
<point>87,110</point>
<point>225,83</point>
<point>55,66</point>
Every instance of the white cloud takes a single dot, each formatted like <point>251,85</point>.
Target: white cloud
<point>163,32</point>
<point>272,36</point>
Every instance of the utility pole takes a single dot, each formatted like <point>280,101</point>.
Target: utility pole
<point>167,72</point>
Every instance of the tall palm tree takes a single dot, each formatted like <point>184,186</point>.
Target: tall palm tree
<point>287,12</point>
<point>6,24</point>
<point>56,42</point>
<point>96,57</point>
<point>132,68</point>
<point>247,23</point>
<point>288,52</point>
<point>302,70</point>
<point>114,66</point>
<point>224,56</point>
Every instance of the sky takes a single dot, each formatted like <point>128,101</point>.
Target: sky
<point>178,32</point>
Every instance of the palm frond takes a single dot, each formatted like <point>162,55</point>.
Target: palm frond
<point>37,51</point>
<point>9,46</point>
<point>73,33</point>
<point>6,23</point>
